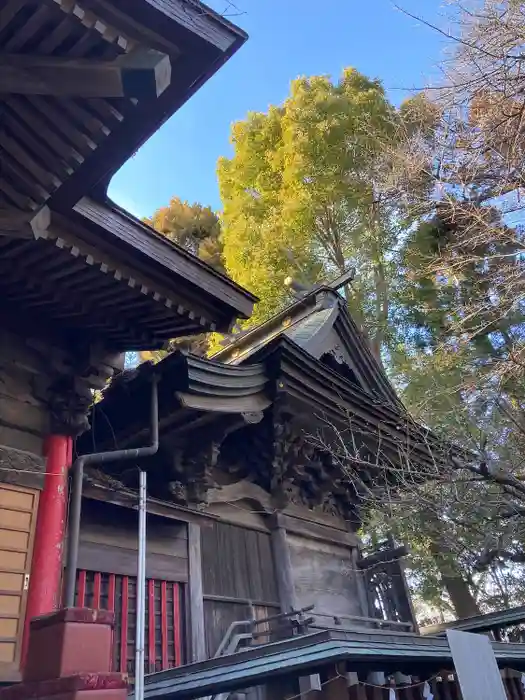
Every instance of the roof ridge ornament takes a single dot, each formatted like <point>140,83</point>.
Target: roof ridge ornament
<point>300,290</point>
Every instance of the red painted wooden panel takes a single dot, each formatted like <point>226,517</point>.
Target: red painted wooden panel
<point>124,626</point>
<point>164,624</point>
<point>177,624</point>
<point>111,606</point>
<point>81,595</point>
<point>97,588</point>
<point>111,592</point>
<point>151,625</point>
<point>116,593</point>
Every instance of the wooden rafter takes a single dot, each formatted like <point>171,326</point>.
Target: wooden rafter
<point>96,23</point>
<point>142,74</point>
<point>23,224</point>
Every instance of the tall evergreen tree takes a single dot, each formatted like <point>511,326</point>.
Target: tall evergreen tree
<point>194,227</point>
<point>197,229</point>
<point>322,183</point>
<point>338,177</point>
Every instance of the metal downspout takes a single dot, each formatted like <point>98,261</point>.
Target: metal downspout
<point>76,489</point>
<point>141,591</point>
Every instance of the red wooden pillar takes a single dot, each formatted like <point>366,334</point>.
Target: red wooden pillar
<point>46,568</point>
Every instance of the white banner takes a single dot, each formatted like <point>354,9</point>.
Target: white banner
<point>476,667</point>
<point>427,693</point>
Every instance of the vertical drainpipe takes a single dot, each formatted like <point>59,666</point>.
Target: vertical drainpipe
<point>76,489</point>
<point>46,568</point>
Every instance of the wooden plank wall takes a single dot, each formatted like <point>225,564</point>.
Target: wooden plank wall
<point>238,571</point>
<point>325,576</point>
<point>24,418</point>
<point>197,642</point>
<point>109,543</point>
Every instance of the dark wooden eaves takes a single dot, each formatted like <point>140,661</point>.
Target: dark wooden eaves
<point>61,136</point>
<point>86,284</point>
<point>308,322</point>
<point>362,358</point>
<point>202,42</point>
<point>192,391</point>
<point>331,400</point>
<point>216,296</point>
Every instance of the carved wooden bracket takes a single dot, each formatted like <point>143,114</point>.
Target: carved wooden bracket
<point>69,400</point>
<point>303,474</point>
<point>69,393</point>
<point>192,467</point>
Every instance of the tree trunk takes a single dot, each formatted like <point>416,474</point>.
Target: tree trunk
<point>451,575</point>
<point>381,285</point>
<point>457,588</point>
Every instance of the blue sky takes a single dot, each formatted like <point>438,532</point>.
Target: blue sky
<point>288,38</point>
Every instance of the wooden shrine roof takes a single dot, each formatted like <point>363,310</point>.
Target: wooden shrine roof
<point>82,86</point>
<point>308,323</point>
<point>100,275</point>
<point>281,403</point>
<point>196,392</point>
<point>286,355</point>
<point>479,623</point>
<point>387,652</point>
<point>332,400</point>
<point>84,83</point>
<point>193,392</point>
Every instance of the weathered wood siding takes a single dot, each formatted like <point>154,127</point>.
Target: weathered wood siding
<point>324,575</point>
<point>24,418</point>
<point>238,578</point>
<point>109,543</point>
<point>238,563</point>
<point>24,422</point>
<point>109,546</point>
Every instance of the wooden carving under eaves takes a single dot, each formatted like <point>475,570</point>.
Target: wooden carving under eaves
<point>305,475</point>
<point>270,453</point>
<point>191,467</point>
<point>65,383</point>
<point>191,474</point>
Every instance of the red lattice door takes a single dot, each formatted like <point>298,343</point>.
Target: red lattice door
<point>164,618</point>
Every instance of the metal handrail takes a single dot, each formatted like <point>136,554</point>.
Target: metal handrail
<point>230,642</point>
<point>358,618</point>
<point>226,643</point>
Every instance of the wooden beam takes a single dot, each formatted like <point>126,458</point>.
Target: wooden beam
<point>382,557</point>
<point>361,586</point>
<point>24,224</point>
<point>283,565</point>
<point>196,599</point>
<point>142,74</point>
<point>343,279</point>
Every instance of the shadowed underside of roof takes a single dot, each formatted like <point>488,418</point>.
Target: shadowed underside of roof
<point>190,388</point>
<point>83,83</point>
